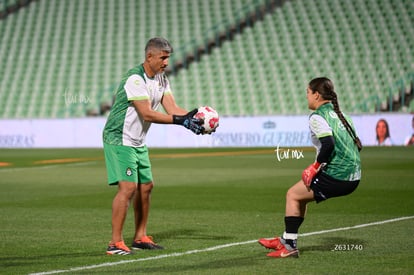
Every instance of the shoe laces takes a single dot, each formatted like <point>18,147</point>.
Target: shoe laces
<point>146,239</point>
<point>121,245</point>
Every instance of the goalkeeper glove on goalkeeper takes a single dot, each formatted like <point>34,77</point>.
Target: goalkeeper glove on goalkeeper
<point>190,122</point>
<point>310,172</point>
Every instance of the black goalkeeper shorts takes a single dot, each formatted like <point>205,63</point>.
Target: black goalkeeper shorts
<point>325,187</point>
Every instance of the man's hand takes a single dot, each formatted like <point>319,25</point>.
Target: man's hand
<point>189,122</point>
<point>309,173</point>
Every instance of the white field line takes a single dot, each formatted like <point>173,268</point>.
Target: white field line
<point>213,248</point>
<point>16,169</point>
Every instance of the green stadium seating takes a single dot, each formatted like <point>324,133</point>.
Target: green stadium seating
<point>63,58</point>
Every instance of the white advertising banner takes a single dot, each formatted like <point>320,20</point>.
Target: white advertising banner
<point>259,131</point>
<point>51,133</point>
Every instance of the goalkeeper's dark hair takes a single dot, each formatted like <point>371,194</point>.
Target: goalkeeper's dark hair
<point>325,88</point>
<point>158,43</point>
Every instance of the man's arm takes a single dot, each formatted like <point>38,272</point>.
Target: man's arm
<point>143,107</point>
<point>170,106</point>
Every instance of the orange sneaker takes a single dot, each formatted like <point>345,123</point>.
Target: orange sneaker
<point>145,242</point>
<point>118,249</point>
<point>275,243</point>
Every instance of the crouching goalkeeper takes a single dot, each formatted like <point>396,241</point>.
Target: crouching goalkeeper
<point>336,171</point>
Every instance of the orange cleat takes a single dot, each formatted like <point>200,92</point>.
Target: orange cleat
<point>276,243</point>
<point>118,249</point>
<point>145,242</point>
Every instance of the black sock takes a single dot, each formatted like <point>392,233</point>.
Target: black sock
<point>292,225</point>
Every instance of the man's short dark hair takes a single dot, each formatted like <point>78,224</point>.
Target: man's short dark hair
<point>159,44</point>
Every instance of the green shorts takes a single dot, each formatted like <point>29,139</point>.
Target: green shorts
<point>125,163</point>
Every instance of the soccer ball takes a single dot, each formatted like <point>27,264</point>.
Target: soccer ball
<point>211,118</point>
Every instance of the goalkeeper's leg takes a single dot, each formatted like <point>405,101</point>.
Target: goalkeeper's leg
<point>297,198</point>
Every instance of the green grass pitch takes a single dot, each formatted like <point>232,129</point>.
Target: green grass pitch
<point>208,208</point>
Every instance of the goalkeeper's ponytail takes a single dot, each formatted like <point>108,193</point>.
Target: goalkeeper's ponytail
<point>345,122</point>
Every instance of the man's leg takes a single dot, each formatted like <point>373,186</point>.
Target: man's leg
<point>142,199</point>
<point>120,205</point>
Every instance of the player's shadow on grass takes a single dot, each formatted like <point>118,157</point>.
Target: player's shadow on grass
<point>189,234</point>
<point>335,244</point>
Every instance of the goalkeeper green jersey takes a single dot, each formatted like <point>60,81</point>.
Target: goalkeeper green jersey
<point>124,126</point>
<point>344,163</point>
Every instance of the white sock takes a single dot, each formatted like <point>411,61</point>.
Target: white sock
<point>290,236</point>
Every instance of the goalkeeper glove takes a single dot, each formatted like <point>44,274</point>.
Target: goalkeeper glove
<point>189,122</point>
<point>310,172</point>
